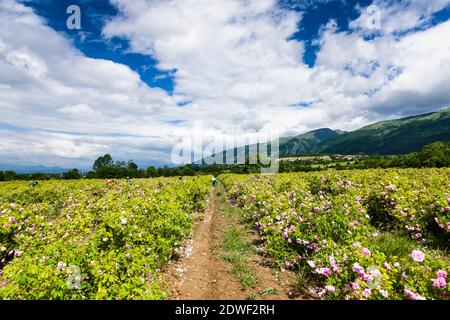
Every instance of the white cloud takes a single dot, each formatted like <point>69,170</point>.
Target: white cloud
<point>234,62</point>
<point>400,16</point>
<point>79,110</point>
<point>230,54</point>
<point>48,86</point>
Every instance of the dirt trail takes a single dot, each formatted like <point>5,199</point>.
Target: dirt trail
<point>200,274</point>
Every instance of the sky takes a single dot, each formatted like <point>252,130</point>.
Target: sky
<point>140,76</point>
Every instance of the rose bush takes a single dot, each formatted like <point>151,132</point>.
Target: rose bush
<point>88,239</point>
<point>370,234</point>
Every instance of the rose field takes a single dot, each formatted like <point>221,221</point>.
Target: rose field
<point>373,234</point>
<point>108,241</point>
<point>360,234</point>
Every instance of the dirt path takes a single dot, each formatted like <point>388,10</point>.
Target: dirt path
<point>200,273</point>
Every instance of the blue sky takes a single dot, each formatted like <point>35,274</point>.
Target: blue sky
<point>89,39</point>
<point>140,76</point>
<point>96,13</point>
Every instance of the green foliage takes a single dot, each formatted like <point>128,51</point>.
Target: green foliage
<point>352,234</point>
<point>393,137</point>
<point>111,240</point>
<point>72,174</point>
<point>102,162</point>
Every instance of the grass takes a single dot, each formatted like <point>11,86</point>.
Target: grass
<point>243,273</point>
<point>393,245</point>
<point>269,291</point>
<point>235,247</point>
<point>252,296</point>
<point>235,250</point>
<point>234,240</point>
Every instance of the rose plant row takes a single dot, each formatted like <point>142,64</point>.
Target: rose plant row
<point>91,240</point>
<point>368,234</point>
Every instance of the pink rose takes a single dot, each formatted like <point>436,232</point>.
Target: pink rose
<point>330,288</point>
<point>418,255</point>
<point>60,265</point>
<point>413,296</point>
<point>439,283</point>
<point>323,271</point>
<point>366,293</point>
<point>384,293</point>
<point>441,274</point>
<point>365,252</point>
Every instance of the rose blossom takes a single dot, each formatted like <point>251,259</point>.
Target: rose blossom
<point>365,252</point>
<point>418,255</point>
<point>60,265</point>
<point>324,271</point>
<point>413,296</point>
<point>439,283</point>
<point>366,293</point>
<point>384,293</point>
<point>330,288</point>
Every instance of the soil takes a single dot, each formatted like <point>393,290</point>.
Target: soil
<point>200,274</point>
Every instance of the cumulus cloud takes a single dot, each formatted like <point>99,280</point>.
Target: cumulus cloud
<point>238,54</point>
<point>47,86</point>
<point>398,16</point>
<point>236,63</point>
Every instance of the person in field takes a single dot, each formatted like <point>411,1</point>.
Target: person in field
<point>214,181</point>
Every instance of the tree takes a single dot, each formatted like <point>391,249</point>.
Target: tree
<point>103,162</point>
<point>132,166</point>
<point>436,154</point>
<point>152,172</point>
<point>72,174</point>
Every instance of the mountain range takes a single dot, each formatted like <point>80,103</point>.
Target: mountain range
<point>391,137</point>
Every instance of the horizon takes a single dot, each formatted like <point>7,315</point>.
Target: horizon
<point>134,78</point>
<point>142,165</point>
<point>21,169</point>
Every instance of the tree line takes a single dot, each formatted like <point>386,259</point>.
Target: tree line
<point>435,155</point>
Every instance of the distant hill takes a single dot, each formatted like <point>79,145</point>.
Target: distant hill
<point>307,143</point>
<point>31,169</point>
<point>390,137</point>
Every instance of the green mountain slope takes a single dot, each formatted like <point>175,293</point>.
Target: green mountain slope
<point>307,143</point>
<point>392,137</point>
